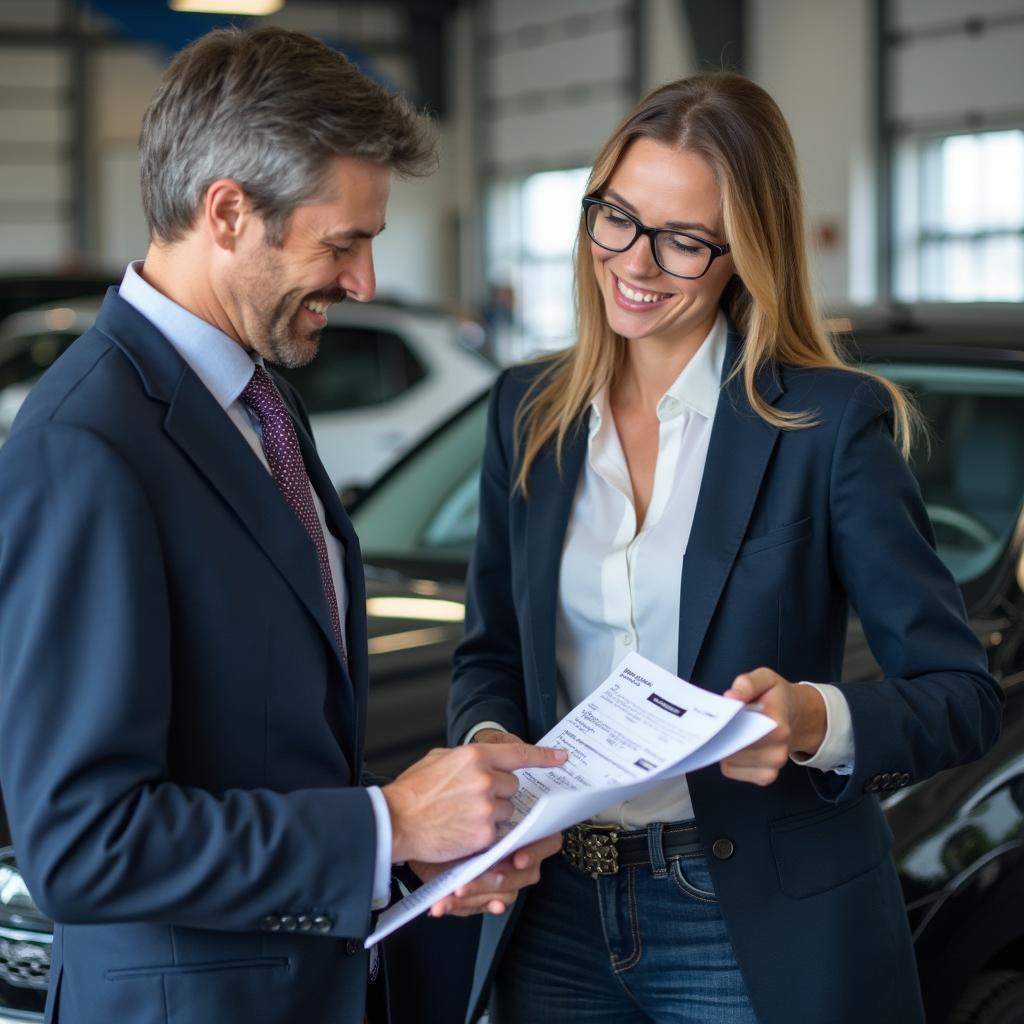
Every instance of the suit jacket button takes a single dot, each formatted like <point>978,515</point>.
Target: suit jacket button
<point>271,923</point>
<point>305,922</point>
<point>321,923</point>
<point>885,778</point>
<point>289,923</point>
<point>351,947</point>
<point>723,849</point>
<point>905,779</point>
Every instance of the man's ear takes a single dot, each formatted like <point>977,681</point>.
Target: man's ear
<point>227,213</point>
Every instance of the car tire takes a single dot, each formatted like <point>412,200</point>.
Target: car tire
<point>993,997</point>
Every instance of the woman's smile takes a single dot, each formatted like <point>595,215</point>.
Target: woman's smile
<point>636,299</point>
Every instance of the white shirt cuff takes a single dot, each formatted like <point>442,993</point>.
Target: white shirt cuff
<point>836,751</point>
<point>483,725</point>
<point>382,866</point>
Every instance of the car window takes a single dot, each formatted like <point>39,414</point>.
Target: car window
<point>356,367</point>
<point>969,464</point>
<point>427,508</point>
<point>32,354</point>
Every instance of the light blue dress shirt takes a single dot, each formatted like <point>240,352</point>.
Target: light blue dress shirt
<point>225,368</point>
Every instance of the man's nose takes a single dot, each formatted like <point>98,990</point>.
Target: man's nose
<point>359,278</point>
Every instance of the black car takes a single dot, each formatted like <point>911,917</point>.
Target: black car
<point>959,842</point>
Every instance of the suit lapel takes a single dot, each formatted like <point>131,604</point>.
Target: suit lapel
<point>738,454</point>
<point>354,626</point>
<point>548,507</point>
<point>202,430</point>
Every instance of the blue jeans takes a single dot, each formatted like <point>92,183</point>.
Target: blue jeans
<point>647,944</point>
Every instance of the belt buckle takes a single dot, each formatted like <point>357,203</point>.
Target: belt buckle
<point>591,849</point>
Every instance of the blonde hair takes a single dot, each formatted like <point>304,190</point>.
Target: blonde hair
<point>738,128</point>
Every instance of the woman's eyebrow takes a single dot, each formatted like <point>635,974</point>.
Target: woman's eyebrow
<point>677,225</point>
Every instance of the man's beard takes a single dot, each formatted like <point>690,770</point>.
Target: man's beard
<point>284,343</point>
<point>280,338</point>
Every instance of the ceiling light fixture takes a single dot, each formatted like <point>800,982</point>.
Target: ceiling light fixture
<point>252,8</point>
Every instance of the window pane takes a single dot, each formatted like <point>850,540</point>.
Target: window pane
<point>531,231</point>
<point>970,270</point>
<point>982,181</point>
<point>547,303</point>
<point>551,211</point>
<point>1002,194</point>
<point>960,218</point>
<point>1001,260</point>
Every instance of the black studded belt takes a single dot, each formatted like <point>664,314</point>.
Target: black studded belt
<point>603,849</point>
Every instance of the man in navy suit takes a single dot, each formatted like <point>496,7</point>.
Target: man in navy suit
<point>182,627</point>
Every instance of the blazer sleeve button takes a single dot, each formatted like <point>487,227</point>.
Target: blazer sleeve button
<point>321,923</point>
<point>289,923</point>
<point>305,922</point>
<point>271,923</point>
<point>723,849</point>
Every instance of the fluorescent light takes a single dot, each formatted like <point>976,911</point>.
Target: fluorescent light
<point>416,608</point>
<point>390,643</point>
<point>255,8</point>
<point>60,318</point>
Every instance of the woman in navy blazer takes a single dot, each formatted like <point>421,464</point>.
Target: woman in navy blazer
<point>702,478</point>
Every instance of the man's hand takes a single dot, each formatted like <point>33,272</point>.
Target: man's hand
<point>448,805</point>
<point>495,736</point>
<point>800,717</point>
<point>495,890</point>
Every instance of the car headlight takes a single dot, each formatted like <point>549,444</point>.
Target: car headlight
<point>17,908</point>
<point>26,938</point>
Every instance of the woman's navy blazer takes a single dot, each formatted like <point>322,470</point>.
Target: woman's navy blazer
<point>792,527</point>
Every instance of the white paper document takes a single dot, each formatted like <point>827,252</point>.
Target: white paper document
<point>641,725</point>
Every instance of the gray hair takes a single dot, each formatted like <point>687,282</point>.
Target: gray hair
<point>268,108</point>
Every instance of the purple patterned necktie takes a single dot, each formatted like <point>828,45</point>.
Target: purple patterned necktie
<point>281,447</point>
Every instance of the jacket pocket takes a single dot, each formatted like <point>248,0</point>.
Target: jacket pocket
<point>825,849</point>
<point>255,963</point>
<point>776,538</point>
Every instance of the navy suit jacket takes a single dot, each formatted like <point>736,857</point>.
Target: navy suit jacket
<point>180,742</point>
<point>791,527</point>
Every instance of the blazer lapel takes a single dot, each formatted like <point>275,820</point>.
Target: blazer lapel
<point>200,428</point>
<point>198,425</point>
<point>740,447</point>
<point>548,507</point>
<point>354,626</point>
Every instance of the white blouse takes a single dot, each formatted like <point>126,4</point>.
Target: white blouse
<point>619,588</point>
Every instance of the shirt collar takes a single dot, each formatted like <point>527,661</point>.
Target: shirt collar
<point>218,361</point>
<point>696,388</point>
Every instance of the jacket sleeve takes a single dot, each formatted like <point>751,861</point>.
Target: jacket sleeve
<point>102,831</point>
<point>937,705</point>
<point>487,684</point>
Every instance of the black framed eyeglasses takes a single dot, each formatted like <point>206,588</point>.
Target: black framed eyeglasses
<point>677,252</point>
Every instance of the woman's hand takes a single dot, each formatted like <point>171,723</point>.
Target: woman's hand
<point>800,717</point>
<point>495,890</point>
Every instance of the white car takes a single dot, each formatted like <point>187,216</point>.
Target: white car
<point>386,375</point>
